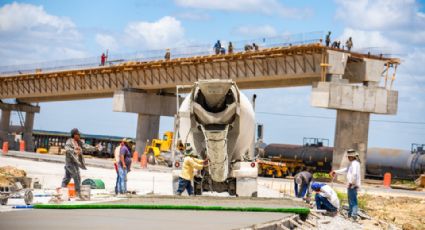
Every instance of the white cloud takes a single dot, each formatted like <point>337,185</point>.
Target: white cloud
<point>106,42</point>
<point>375,41</point>
<point>165,32</point>
<point>380,14</point>
<point>268,7</point>
<point>194,16</point>
<point>256,31</point>
<point>29,34</point>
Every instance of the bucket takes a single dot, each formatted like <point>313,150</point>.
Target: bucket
<point>63,193</point>
<point>71,190</point>
<point>85,192</point>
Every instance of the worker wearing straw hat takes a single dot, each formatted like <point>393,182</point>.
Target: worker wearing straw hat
<point>190,163</point>
<point>353,181</point>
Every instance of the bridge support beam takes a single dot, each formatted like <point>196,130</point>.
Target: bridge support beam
<point>27,129</point>
<point>27,134</point>
<point>149,107</point>
<point>147,129</point>
<point>353,103</point>
<point>4,125</point>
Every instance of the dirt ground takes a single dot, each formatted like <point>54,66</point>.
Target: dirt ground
<point>405,212</point>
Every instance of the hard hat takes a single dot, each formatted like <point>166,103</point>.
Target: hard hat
<point>352,153</point>
<point>316,186</point>
<point>74,131</point>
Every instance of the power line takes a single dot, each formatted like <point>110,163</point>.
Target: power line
<point>333,118</point>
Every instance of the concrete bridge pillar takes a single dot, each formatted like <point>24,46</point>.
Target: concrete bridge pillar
<point>149,108</point>
<point>4,125</point>
<point>28,129</point>
<point>354,102</point>
<point>147,129</point>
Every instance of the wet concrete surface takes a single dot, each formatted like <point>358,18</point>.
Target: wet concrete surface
<point>132,219</point>
<point>213,201</point>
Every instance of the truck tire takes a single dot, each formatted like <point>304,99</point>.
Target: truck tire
<point>28,197</point>
<point>3,201</point>
<point>151,158</point>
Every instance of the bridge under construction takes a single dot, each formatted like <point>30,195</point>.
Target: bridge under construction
<point>355,84</point>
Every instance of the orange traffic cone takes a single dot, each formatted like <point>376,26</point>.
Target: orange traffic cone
<point>387,180</point>
<point>143,161</point>
<point>5,147</point>
<point>135,157</point>
<point>22,146</point>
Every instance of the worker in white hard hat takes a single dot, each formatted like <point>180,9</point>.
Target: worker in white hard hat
<point>190,163</point>
<point>353,181</point>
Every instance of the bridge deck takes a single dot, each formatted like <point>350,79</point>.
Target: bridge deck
<point>266,68</point>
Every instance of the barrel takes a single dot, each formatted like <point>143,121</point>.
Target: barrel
<point>94,183</point>
<point>402,164</point>
<point>319,157</point>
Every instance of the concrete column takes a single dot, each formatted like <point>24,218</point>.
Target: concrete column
<point>147,129</point>
<point>28,128</point>
<point>4,125</point>
<point>351,131</point>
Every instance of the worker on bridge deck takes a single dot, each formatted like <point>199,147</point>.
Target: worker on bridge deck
<point>328,39</point>
<point>217,47</point>
<point>190,163</point>
<point>74,159</point>
<point>353,181</point>
<point>349,43</point>
<point>167,55</point>
<point>103,59</point>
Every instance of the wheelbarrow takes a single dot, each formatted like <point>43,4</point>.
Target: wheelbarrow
<point>15,191</point>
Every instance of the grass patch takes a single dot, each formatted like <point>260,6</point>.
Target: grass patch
<point>320,175</point>
<point>361,200</point>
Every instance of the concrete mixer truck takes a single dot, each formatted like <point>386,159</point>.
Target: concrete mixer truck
<point>218,122</point>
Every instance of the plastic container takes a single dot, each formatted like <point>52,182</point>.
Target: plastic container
<point>85,192</point>
<point>63,193</point>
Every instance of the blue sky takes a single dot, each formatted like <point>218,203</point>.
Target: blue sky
<point>38,31</point>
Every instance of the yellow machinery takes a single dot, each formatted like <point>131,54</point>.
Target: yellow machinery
<point>160,149</point>
<point>278,168</point>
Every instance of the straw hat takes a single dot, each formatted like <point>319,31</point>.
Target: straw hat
<point>352,153</point>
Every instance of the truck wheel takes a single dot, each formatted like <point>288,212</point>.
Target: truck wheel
<point>3,201</point>
<point>151,158</point>
<point>28,197</point>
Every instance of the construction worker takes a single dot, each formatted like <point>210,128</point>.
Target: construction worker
<point>353,181</point>
<point>74,159</point>
<point>116,161</point>
<point>230,48</point>
<point>328,39</point>
<point>190,163</point>
<point>326,198</point>
<point>349,44</point>
<point>255,46</point>
<point>167,56</point>
<point>103,59</point>
<point>124,165</point>
<point>217,47</point>
<point>302,182</point>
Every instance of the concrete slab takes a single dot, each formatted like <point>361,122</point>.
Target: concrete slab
<point>132,219</point>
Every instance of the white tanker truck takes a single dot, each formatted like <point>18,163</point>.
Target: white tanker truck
<point>218,122</point>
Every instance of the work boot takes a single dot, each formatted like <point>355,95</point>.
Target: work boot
<point>178,193</point>
<point>331,214</point>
